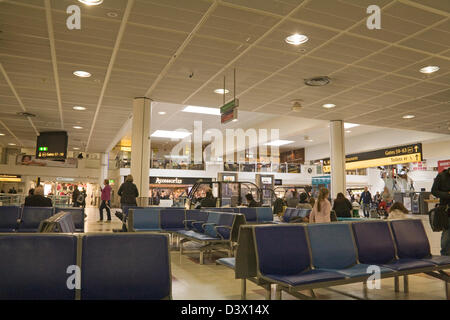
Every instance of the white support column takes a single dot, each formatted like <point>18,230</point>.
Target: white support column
<point>104,167</point>
<point>337,146</point>
<point>140,148</point>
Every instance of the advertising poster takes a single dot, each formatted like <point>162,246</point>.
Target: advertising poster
<point>28,160</point>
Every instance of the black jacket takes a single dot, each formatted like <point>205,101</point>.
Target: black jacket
<point>253,204</point>
<point>441,187</point>
<point>128,193</point>
<point>343,208</point>
<point>38,201</point>
<point>208,202</point>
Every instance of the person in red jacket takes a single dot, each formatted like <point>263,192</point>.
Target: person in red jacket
<point>106,201</point>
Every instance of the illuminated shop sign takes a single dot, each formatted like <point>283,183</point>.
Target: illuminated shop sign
<point>381,157</point>
<point>177,181</point>
<point>10,178</point>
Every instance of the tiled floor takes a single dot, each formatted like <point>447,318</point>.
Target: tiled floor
<point>192,281</point>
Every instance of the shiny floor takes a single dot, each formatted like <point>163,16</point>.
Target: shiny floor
<point>192,281</point>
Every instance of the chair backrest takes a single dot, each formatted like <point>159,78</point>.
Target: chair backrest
<point>302,212</point>
<point>172,218</point>
<point>125,266</point>
<point>126,208</point>
<point>197,215</point>
<point>249,213</point>
<point>411,239</point>
<point>77,216</point>
<point>332,245</point>
<point>8,218</point>
<point>34,266</point>
<point>288,214</point>
<point>32,217</point>
<point>225,219</point>
<point>65,222</point>
<point>264,214</point>
<point>374,242</point>
<point>282,249</point>
<point>143,219</point>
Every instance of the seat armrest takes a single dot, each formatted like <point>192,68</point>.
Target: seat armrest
<point>209,223</point>
<point>219,228</point>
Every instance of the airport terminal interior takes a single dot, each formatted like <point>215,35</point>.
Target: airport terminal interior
<point>224,149</point>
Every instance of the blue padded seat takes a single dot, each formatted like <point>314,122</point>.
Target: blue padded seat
<point>225,220</point>
<point>172,219</point>
<point>288,214</point>
<point>34,266</point>
<point>406,264</point>
<point>213,217</point>
<point>146,219</point>
<point>77,217</point>
<point>32,216</point>
<point>412,242</point>
<point>195,215</point>
<point>8,218</point>
<point>125,266</point>
<point>283,255</point>
<point>249,213</point>
<point>227,262</point>
<point>333,249</point>
<point>264,214</point>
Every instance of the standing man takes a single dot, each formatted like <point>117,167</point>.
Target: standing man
<point>106,201</point>
<point>366,199</point>
<point>441,190</point>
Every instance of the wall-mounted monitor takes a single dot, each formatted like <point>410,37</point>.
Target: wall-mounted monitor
<point>52,145</point>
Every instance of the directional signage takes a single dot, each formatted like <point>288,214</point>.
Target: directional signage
<point>382,157</point>
<point>229,111</point>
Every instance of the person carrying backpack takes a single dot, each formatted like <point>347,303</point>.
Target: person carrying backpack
<point>441,190</point>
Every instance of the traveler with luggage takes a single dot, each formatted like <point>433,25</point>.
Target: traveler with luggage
<point>366,199</point>
<point>322,208</point>
<point>342,206</point>
<point>106,201</point>
<point>128,193</point>
<point>441,216</point>
<point>387,198</point>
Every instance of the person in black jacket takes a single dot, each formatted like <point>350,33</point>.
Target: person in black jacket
<point>441,190</point>
<point>342,206</point>
<point>251,201</point>
<point>366,199</point>
<point>208,201</point>
<point>38,199</point>
<point>128,192</point>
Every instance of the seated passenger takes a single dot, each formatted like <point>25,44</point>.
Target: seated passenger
<point>322,208</point>
<point>292,201</point>
<point>251,202</point>
<point>303,203</point>
<point>30,193</point>
<point>342,206</point>
<point>38,199</point>
<point>209,201</point>
<point>397,211</point>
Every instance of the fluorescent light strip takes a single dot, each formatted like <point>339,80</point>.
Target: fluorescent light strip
<point>170,134</point>
<point>203,110</point>
<point>350,125</point>
<point>279,143</point>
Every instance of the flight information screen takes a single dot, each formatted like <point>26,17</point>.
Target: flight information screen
<point>52,145</point>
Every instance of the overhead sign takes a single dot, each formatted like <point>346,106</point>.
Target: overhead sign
<point>381,157</point>
<point>229,111</point>
<point>10,178</point>
<point>52,145</point>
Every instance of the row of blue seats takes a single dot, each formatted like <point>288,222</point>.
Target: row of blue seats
<point>61,222</point>
<point>112,266</point>
<point>252,215</point>
<point>28,219</point>
<point>329,254</point>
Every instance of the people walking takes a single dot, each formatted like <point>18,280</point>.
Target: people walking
<point>366,200</point>
<point>106,201</point>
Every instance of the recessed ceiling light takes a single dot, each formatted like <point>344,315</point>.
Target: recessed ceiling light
<point>221,91</point>
<point>329,105</point>
<point>279,142</point>
<point>112,14</point>
<point>75,148</point>
<point>170,134</point>
<point>79,108</point>
<point>296,39</point>
<point>77,127</point>
<point>409,116</point>
<point>204,110</point>
<point>91,2</point>
<point>11,144</point>
<point>82,74</point>
<point>2,134</point>
<point>429,69</point>
<point>350,125</point>
<point>348,131</point>
<point>162,113</point>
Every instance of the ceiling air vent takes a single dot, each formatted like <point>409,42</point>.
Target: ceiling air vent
<point>26,114</point>
<point>317,81</point>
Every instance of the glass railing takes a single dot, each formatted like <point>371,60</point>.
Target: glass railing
<point>168,164</point>
<point>7,199</point>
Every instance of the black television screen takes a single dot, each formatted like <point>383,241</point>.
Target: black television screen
<point>52,145</point>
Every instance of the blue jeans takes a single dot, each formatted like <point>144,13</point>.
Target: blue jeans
<point>445,241</point>
<point>366,209</point>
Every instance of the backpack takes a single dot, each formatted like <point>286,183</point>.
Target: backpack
<point>80,198</point>
<point>439,218</point>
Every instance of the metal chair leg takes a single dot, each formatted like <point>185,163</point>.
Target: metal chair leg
<point>268,292</point>
<point>396,284</point>
<point>201,257</point>
<point>312,293</point>
<point>277,292</point>
<point>447,290</point>
<point>243,289</point>
<point>406,284</point>
<point>365,291</point>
